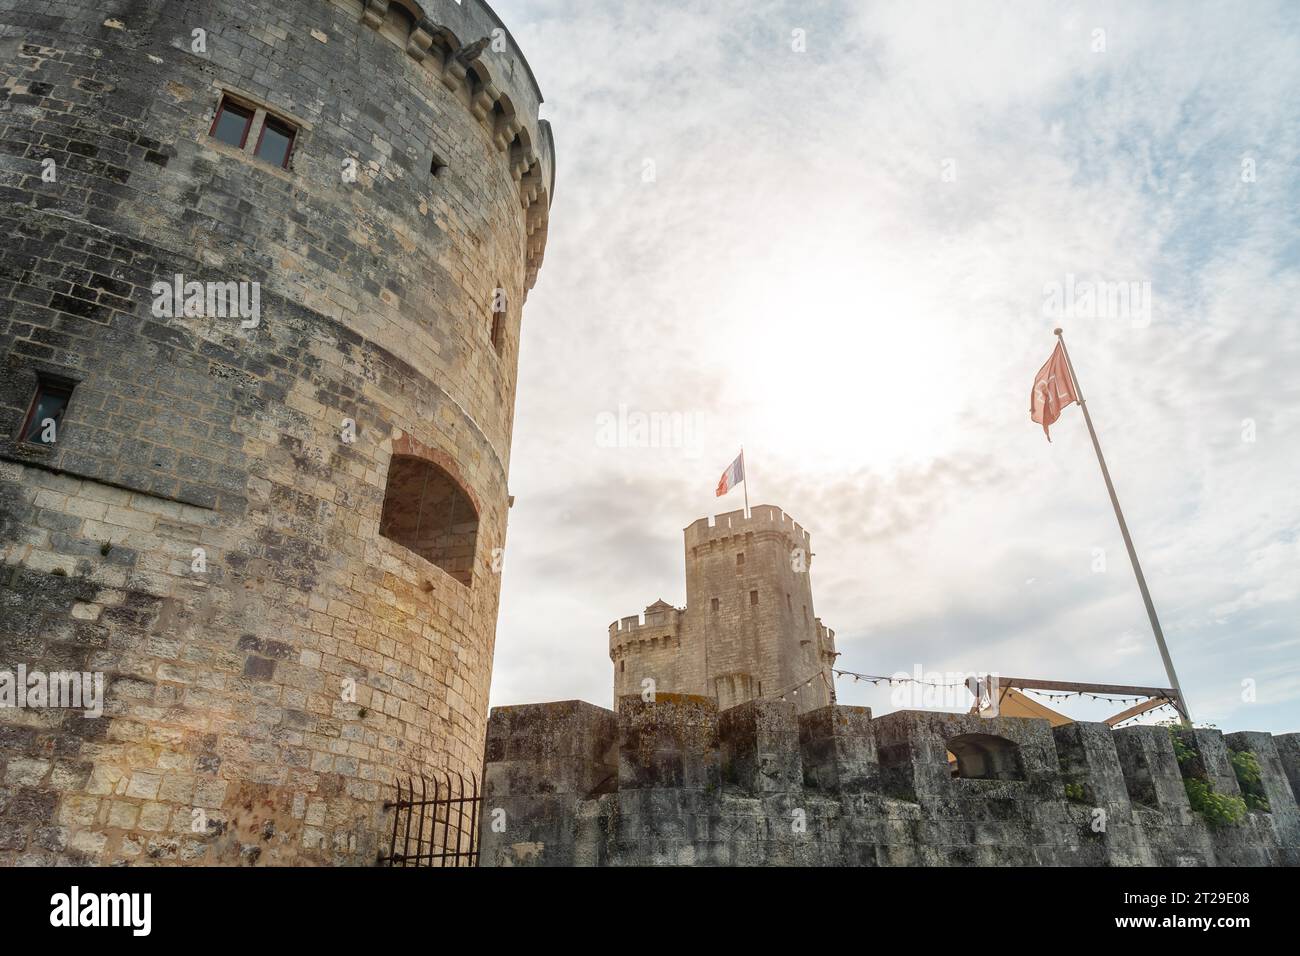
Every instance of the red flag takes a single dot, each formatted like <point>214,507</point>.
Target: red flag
<point>1053,390</point>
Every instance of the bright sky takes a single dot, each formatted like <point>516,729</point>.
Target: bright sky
<point>847,258</point>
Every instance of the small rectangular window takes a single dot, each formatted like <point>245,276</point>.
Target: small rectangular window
<point>740,560</point>
<point>232,123</point>
<point>714,604</point>
<point>753,597</point>
<point>45,415</point>
<point>275,143</point>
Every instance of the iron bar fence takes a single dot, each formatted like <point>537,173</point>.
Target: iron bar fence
<point>437,830</point>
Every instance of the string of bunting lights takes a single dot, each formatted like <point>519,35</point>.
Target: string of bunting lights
<point>1167,704</point>
<point>877,679</point>
<point>793,689</point>
<point>1080,693</point>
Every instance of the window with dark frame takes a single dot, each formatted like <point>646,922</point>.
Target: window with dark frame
<point>275,143</point>
<point>46,411</point>
<point>232,123</point>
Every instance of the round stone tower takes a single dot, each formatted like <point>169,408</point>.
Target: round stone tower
<point>259,326</point>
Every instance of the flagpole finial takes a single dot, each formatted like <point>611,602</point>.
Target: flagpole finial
<point>1056,331</point>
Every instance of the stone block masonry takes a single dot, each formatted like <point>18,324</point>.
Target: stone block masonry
<point>673,782</point>
<point>748,630</point>
<point>205,531</point>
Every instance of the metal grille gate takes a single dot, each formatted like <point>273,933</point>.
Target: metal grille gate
<point>437,830</point>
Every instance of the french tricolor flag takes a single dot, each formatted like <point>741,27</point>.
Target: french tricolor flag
<point>733,476</point>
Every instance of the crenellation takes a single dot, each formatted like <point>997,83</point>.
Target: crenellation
<point>431,34</point>
<point>748,629</point>
<point>760,784</point>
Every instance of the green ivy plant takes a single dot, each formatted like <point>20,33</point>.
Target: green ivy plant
<point>1182,752</point>
<point>1074,791</point>
<point>1246,765</point>
<point>1218,809</point>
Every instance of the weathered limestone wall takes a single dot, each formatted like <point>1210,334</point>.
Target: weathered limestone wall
<point>227,699</point>
<point>762,640</point>
<point>675,783</point>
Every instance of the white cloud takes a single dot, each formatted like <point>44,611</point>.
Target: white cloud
<point>801,276</point>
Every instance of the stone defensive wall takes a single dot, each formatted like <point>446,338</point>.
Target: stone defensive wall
<point>673,782</point>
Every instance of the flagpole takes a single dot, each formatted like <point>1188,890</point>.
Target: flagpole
<point>1128,542</point>
<point>744,470</point>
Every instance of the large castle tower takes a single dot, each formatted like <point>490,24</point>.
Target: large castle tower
<point>748,629</point>
<point>270,511</point>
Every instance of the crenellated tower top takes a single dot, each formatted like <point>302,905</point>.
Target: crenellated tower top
<point>762,518</point>
<point>465,46</point>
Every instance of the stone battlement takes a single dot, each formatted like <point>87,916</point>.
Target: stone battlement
<point>732,523</point>
<point>749,625</point>
<point>454,42</point>
<point>659,621</point>
<point>676,782</point>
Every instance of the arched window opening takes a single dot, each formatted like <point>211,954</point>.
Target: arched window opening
<point>985,757</point>
<point>427,512</point>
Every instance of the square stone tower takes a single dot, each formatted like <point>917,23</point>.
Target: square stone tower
<point>748,631</point>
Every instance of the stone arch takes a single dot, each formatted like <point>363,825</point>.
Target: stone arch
<point>505,122</point>
<point>445,43</point>
<point>477,78</point>
<point>986,757</point>
<point>428,512</point>
<point>398,23</point>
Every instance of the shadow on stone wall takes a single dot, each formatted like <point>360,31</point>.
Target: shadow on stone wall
<point>674,782</point>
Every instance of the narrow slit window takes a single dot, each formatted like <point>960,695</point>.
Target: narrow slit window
<point>232,123</point>
<point>498,331</point>
<point>498,319</point>
<point>45,414</point>
<point>276,142</point>
<point>753,597</point>
<point>714,605</point>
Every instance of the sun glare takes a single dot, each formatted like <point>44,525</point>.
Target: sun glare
<point>871,379</point>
